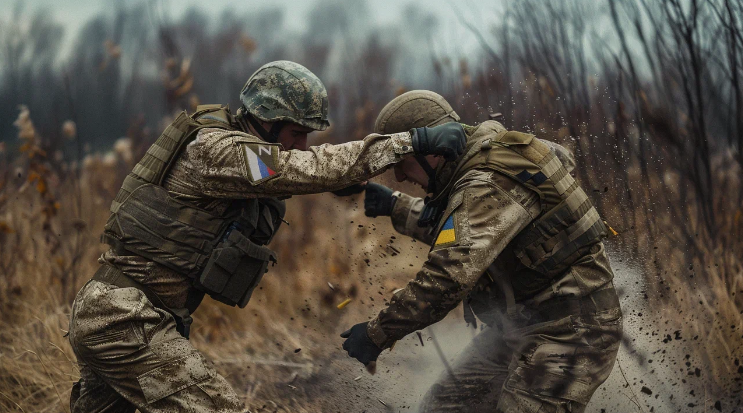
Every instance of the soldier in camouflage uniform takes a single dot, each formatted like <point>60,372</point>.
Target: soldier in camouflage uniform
<point>517,240</point>
<point>193,218</point>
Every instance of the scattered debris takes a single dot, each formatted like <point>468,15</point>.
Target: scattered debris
<point>420,337</point>
<point>344,303</point>
<point>331,286</point>
<point>394,251</point>
<point>383,403</point>
<point>293,387</point>
<point>612,230</point>
<point>357,378</point>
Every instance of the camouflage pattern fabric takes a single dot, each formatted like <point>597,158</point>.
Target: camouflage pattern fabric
<point>218,168</point>
<point>130,354</point>
<point>286,91</point>
<point>486,210</point>
<point>518,365</point>
<point>213,171</point>
<point>549,367</point>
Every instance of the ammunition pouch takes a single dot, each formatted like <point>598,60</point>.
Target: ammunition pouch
<point>234,269</point>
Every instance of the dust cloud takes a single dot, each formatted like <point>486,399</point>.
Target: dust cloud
<point>651,373</point>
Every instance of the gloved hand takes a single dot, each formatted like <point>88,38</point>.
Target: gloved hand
<point>378,200</point>
<point>359,345</point>
<point>350,190</point>
<point>447,140</point>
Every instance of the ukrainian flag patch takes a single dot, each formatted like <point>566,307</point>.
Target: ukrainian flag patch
<point>447,234</point>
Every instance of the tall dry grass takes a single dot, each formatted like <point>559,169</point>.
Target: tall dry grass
<point>651,109</point>
<point>292,320</point>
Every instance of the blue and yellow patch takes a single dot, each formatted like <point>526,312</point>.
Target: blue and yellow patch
<point>447,234</point>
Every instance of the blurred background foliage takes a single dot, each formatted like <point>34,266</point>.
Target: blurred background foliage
<point>647,94</point>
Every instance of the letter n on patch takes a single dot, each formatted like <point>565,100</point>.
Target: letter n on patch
<point>447,234</point>
<point>261,161</point>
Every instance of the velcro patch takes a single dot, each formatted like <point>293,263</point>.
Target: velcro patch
<point>447,234</point>
<point>260,160</point>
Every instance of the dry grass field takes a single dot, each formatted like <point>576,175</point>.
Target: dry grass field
<point>49,225</point>
<point>647,94</point>
<point>329,252</point>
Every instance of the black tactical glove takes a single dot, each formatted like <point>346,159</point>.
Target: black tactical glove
<point>350,190</point>
<point>359,345</point>
<point>447,140</point>
<point>378,201</point>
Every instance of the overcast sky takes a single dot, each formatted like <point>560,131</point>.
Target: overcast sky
<point>74,13</point>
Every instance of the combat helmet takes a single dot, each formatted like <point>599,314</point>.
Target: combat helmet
<point>414,109</point>
<point>284,91</point>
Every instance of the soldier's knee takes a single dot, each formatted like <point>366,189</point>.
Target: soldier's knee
<point>516,400</point>
<point>460,395</point>
<point>188,383</point>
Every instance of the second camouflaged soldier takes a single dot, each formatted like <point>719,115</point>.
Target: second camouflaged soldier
<point>193,218</point>
<point>516,239</point>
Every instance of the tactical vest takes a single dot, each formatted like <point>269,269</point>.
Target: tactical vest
<point>222,253</point>
<point>568,225</point>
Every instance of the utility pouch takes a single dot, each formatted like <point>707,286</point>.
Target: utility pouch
<point>234,269</point>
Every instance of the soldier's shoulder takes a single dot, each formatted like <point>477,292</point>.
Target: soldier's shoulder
<point>482,177</point>
<point>212,134</point>
<point>565,155</point>
<point>484,129</point>
<point>258,159</point>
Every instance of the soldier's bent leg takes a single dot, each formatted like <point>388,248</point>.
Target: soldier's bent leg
<point>479,373</point>
<point>135,350</point>
<point>558,365</point>
<point>93,395</point>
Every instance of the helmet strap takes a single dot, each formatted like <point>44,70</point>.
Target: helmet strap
<point>423,162</point>
<point>271,136</point>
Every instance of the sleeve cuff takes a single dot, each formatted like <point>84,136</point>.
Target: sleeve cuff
<point>375,333</point>
<point>400,211</point>
<point>402,143</point>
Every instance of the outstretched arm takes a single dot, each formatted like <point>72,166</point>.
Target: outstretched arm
<point>233,164</point>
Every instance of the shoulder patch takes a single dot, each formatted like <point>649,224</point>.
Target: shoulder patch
<point>261,161</point>
<point>447,233</point>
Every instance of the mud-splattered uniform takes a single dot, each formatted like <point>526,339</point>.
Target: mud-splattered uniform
<point>130,352</point>
<point>550,340</point>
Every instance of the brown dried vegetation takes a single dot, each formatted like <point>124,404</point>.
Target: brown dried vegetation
<point>654,116</point>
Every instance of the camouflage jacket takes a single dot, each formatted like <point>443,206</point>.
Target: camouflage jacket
<point>213,171</point>
<point>471,254</point>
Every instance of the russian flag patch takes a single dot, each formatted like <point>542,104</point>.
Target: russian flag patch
<point>447,235</point>
<point>261,161</point>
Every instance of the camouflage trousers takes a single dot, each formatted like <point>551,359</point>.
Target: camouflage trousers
<point>548,367</point>
<point>131,357</point>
